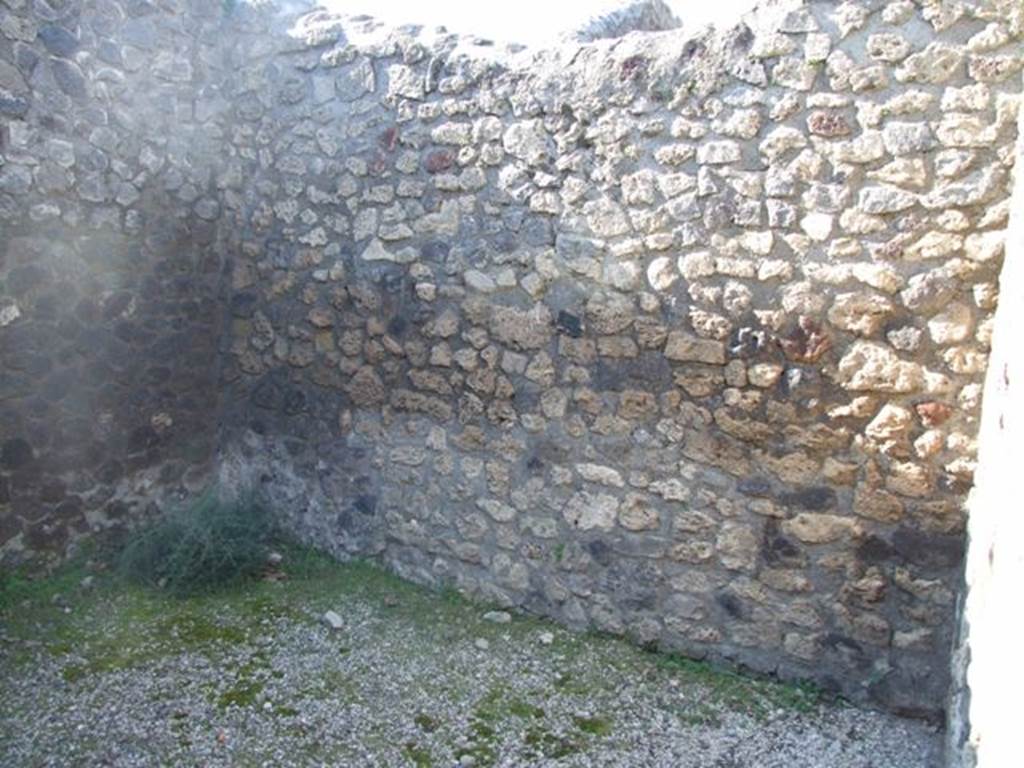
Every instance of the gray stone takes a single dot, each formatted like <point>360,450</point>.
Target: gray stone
<point>587,511</point>
<point>11,79</point>
<point>718,152</point>
<point>884,199</point>
<point>376,251</point>
<point>69,78</point>
<point>405,82</point>
<point>907,138</point>
<point>522,329</point>
<point>355,81</point>
<point>528,141</point>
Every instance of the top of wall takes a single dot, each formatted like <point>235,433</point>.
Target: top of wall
<point>669,66</point>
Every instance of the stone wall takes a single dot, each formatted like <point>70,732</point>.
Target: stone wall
<point>110,150</point>
<point>674,336</point>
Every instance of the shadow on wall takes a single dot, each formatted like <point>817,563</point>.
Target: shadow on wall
<point>110,273</point>
<point>109,373</point>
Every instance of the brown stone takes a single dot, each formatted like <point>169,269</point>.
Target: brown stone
<point>522,329</point>
<point>637,514</point>
<point>320,317</point>
<point>738,547</point>
<point>814,528</point>
<point>807,342</point>
<point>862,313</point>
<point>438,161</point>
<point>693,551</point>
<point>869,588</point>
<point>933,413</point>
<point>686,348</point>
<point>876,504</point>
<point>407,400</point>
<point>828,124</point>
<point>637,405</point>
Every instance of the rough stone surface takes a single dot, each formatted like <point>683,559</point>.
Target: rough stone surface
<point>597,331</point>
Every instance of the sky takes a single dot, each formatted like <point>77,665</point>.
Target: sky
<point>531,22</point>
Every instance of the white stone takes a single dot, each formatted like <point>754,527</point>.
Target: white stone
<point>498,510</point>
<point>868,366</point>
<point>718,152</point>
<point>376,251</point>
<point>933,245</point>
<point>865,148</point>
<point>791,72</point>
<point>935,64</point>
<point>978,187</point>
<point>891,423</point>
<point>591,510</point>
<point>459,134</point>
<point>817,226</point>
<point>813,528</point>
<point>902,172</point>
<point>606,218</point>
<point>850,16</point>
<point>8,314</point>
<point>888,47</point>
<point>781,140</point>
<point>332,621</point>
<point>738,547</point>
<point>479,281</point>
<point>992,36</point>
<point>764,375</point>
<point>885,199</point>
<point>696,265</point>
<point>405,82</point>
<point>817,47</point>
<point>769,45</point>
<point>860,313</point>
<point>661,273</point>
<point>985,246</point>
<point>528,141</point>
<point>960,130</point>
<point>970,98</point>
<point>952,325</point>
<point>596,473</point>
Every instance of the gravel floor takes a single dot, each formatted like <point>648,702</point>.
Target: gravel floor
<point>115,676</point>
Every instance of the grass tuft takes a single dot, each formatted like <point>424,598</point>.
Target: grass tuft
<point>210,544</point>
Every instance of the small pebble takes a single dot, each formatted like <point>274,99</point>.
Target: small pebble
<point>498,617</point>
<point>333,621</point>
<point>546,638</point>
<point>482,644</point>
